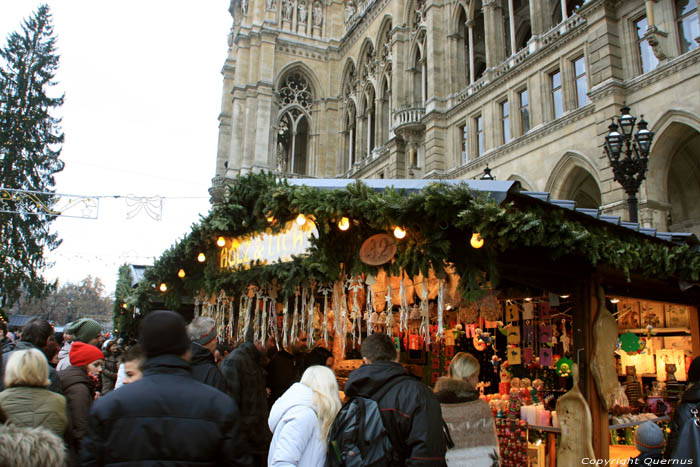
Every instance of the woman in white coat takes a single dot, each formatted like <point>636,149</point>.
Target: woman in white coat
<point>301,418</point>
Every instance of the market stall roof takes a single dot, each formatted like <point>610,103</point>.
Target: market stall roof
<point>499,191</point>
<point>18,321</point>
<point>495,189</point>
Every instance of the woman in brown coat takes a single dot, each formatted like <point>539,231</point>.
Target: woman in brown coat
<point>79,383</point>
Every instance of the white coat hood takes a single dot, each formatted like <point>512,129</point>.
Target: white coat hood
<point>298,395</point>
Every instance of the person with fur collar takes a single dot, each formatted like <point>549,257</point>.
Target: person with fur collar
<point>468,418</point>
<point>46,447</point>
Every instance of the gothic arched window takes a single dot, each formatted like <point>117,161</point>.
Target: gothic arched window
<point>293,124</point>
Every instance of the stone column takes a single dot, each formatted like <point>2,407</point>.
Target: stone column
<point>494,32</point>
<point>540,19</point>
<point>511,26</point>
<point>470,28</point>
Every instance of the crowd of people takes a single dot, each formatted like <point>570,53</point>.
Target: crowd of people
<point>179,397</point>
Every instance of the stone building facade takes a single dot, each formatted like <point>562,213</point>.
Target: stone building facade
<point>442,89</point>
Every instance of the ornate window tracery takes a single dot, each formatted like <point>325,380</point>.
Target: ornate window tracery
<point>295,100</point>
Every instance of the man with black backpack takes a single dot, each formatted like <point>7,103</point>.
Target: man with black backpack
<point>389,418</point>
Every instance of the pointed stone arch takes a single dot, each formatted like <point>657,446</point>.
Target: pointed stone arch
<point>409,12</point>
<point>386,25</point>
<point>524,184</point>
<point>349,76</point>
<point>293,141</point>
<point>309,74</point>
<point>455,13</point>
<point>576,178</point>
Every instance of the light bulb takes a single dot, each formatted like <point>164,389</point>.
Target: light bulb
<point>565,296</point>
<point>614,300</point>
<point>344,223</point>
<point>163,287</point>
<point>476,240</point>
<point>399,232</point>
<point>301,219</point>
<point>201,257</point>
<point>221,241</point>
<point>181,274</point>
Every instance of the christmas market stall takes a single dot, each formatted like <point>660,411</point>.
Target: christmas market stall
<point>583,325</point>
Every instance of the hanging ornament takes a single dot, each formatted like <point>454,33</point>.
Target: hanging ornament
<point>325,289</point>
<point>304,307</point>
<point>369,309</point>
<point>565,339</point>
<point>196,306</point>
<point>440,307</point>
<point>242,307</point>
<point>295,316</point>
<point>564,366</point>
<point>629,342</point>
<point>344,320</point>
<point>403,310</point>
<point>355,285</point>
<point>386,315</point>
<point>310,318</point>
<point>285,319</point>
<point>263,318</point>
<point>257,325</point>
<point>230,327</point>
<point>425,314</point>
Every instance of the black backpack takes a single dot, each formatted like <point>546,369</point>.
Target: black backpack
<point>358,436</point>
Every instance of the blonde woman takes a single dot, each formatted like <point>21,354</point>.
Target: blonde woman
<point>469,419</point>
<point>301,419</point>
<point>26,399</point>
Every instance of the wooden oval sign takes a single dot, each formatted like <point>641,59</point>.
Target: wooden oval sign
<point>377,249</point>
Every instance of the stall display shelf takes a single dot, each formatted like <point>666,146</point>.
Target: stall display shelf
<point>552,429</point>
<point>657,332</point>
<point>665,418</point>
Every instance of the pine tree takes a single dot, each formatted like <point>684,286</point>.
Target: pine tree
<point>30,145</point>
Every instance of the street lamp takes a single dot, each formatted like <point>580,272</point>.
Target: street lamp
<point>487,174</point>
<point>629,154</point>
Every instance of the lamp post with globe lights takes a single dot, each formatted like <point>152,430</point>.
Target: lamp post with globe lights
<point>629,154</point>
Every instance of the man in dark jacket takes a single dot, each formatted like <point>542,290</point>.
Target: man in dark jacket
<point>245,379</point>
<point>286,368</point>
<point>410,410</point>
<point>202,332</point>
<point>677,447</point>
<point>166,417</point>
<point>36,334</point>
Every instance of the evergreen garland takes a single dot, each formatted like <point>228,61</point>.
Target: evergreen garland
<point>439,221</point>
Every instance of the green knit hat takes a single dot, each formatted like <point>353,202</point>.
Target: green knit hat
<point>84,329</point>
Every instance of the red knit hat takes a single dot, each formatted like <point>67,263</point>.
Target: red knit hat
<point>82,354</point>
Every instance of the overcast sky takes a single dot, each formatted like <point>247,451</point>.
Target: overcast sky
<point>142,82</point>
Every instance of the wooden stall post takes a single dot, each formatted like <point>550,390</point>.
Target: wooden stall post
<point>585,309</point>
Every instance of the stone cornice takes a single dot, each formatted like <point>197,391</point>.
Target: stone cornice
<point>302,50</point>
<point>637,83</point>
<point>664,70</point>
